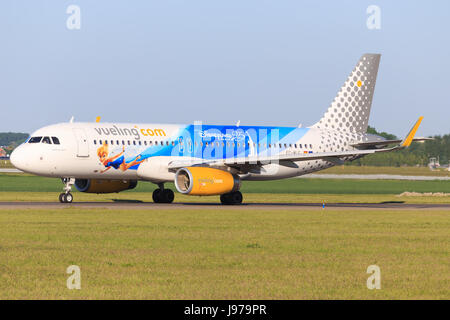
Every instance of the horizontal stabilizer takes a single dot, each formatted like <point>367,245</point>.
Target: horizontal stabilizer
<point>385,142</point>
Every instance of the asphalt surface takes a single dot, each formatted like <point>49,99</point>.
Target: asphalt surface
<point>128,205</point>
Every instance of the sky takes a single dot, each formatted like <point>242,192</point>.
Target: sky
<point>262,62</point>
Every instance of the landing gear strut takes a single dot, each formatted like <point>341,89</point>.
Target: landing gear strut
<point>231,198</point>
<point>66,196</point>
<point>162,195</point>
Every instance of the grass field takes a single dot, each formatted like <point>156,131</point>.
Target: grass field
<point>225,254</point>
<point>22,187</point>
<point>23,182</point>
<point>5,164</point>
<point>405,171</point>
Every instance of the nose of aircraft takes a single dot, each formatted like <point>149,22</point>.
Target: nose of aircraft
<point>17,159</point>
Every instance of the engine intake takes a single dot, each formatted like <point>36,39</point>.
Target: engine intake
<point>203,181</point>
<point>104,186</point>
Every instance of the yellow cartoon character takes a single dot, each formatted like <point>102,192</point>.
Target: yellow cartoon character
<point>117,161</point>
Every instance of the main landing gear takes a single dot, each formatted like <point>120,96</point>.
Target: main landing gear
<point>66,196</point>
<point>162,195</point>
<point>231,198</point>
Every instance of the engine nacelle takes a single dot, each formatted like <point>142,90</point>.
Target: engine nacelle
<point>104,186</point>
<point>201,181</point>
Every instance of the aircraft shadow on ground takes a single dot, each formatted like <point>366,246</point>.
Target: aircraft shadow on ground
<point>127,201</point>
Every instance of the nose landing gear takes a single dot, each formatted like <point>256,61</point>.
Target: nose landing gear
<point>66,196</point>
<point>162,195</point>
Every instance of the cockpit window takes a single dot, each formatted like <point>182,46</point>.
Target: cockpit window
<point>35,140</point>
<point>55,140</point>
<point>46,140</point>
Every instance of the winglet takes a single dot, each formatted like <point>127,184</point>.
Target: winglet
<point>97,119</point>
<point>409,138</point>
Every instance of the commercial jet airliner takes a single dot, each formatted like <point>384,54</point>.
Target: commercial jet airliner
<point>204,160</point>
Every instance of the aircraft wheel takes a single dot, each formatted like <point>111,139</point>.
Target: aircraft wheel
<point>168,196</point>
<point>61,197</point>
<point>163,196</point>
<point>225,198</point>
<point>68,198</point>
<point>231,198</point>
<point>157,196</point>
<point>236,197</point>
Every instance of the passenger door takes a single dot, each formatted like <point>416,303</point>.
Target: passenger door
<point>82,144</point>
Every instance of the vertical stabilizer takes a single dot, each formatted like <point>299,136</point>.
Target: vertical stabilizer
<point>350,110</point>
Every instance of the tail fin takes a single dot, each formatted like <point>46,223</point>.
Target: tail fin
<point>350,110</point>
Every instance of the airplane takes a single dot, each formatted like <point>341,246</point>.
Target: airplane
<point>206,160</point>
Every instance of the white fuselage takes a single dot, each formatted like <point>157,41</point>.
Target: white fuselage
<point>144,151</point>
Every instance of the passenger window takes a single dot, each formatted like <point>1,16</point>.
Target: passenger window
<point>55,140</point>
<point>140,143</point>
<point>112,142</point>
<point>117,142</point>
<point>310,146</point>
<point>128,142</point>
<point>95,142</point>
<point>35,140</point>
<point>46,140</point>
<point>123,142</point>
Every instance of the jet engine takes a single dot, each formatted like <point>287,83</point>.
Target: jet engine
<point>104,186</point>
<point>202,181</point>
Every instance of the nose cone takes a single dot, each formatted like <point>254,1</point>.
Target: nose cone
<point>17,158</point>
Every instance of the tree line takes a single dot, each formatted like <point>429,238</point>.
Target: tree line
<point>10,140</point>
<point>418,153</point>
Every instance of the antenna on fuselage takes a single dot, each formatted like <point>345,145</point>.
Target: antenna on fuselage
<point>71,119</point>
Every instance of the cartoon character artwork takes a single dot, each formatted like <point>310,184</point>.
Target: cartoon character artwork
<point>118,161</point>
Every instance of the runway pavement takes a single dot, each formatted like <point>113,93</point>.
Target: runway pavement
<point>137,205</point>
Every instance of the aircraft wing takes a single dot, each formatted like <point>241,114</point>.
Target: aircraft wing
<point>335,157</point>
